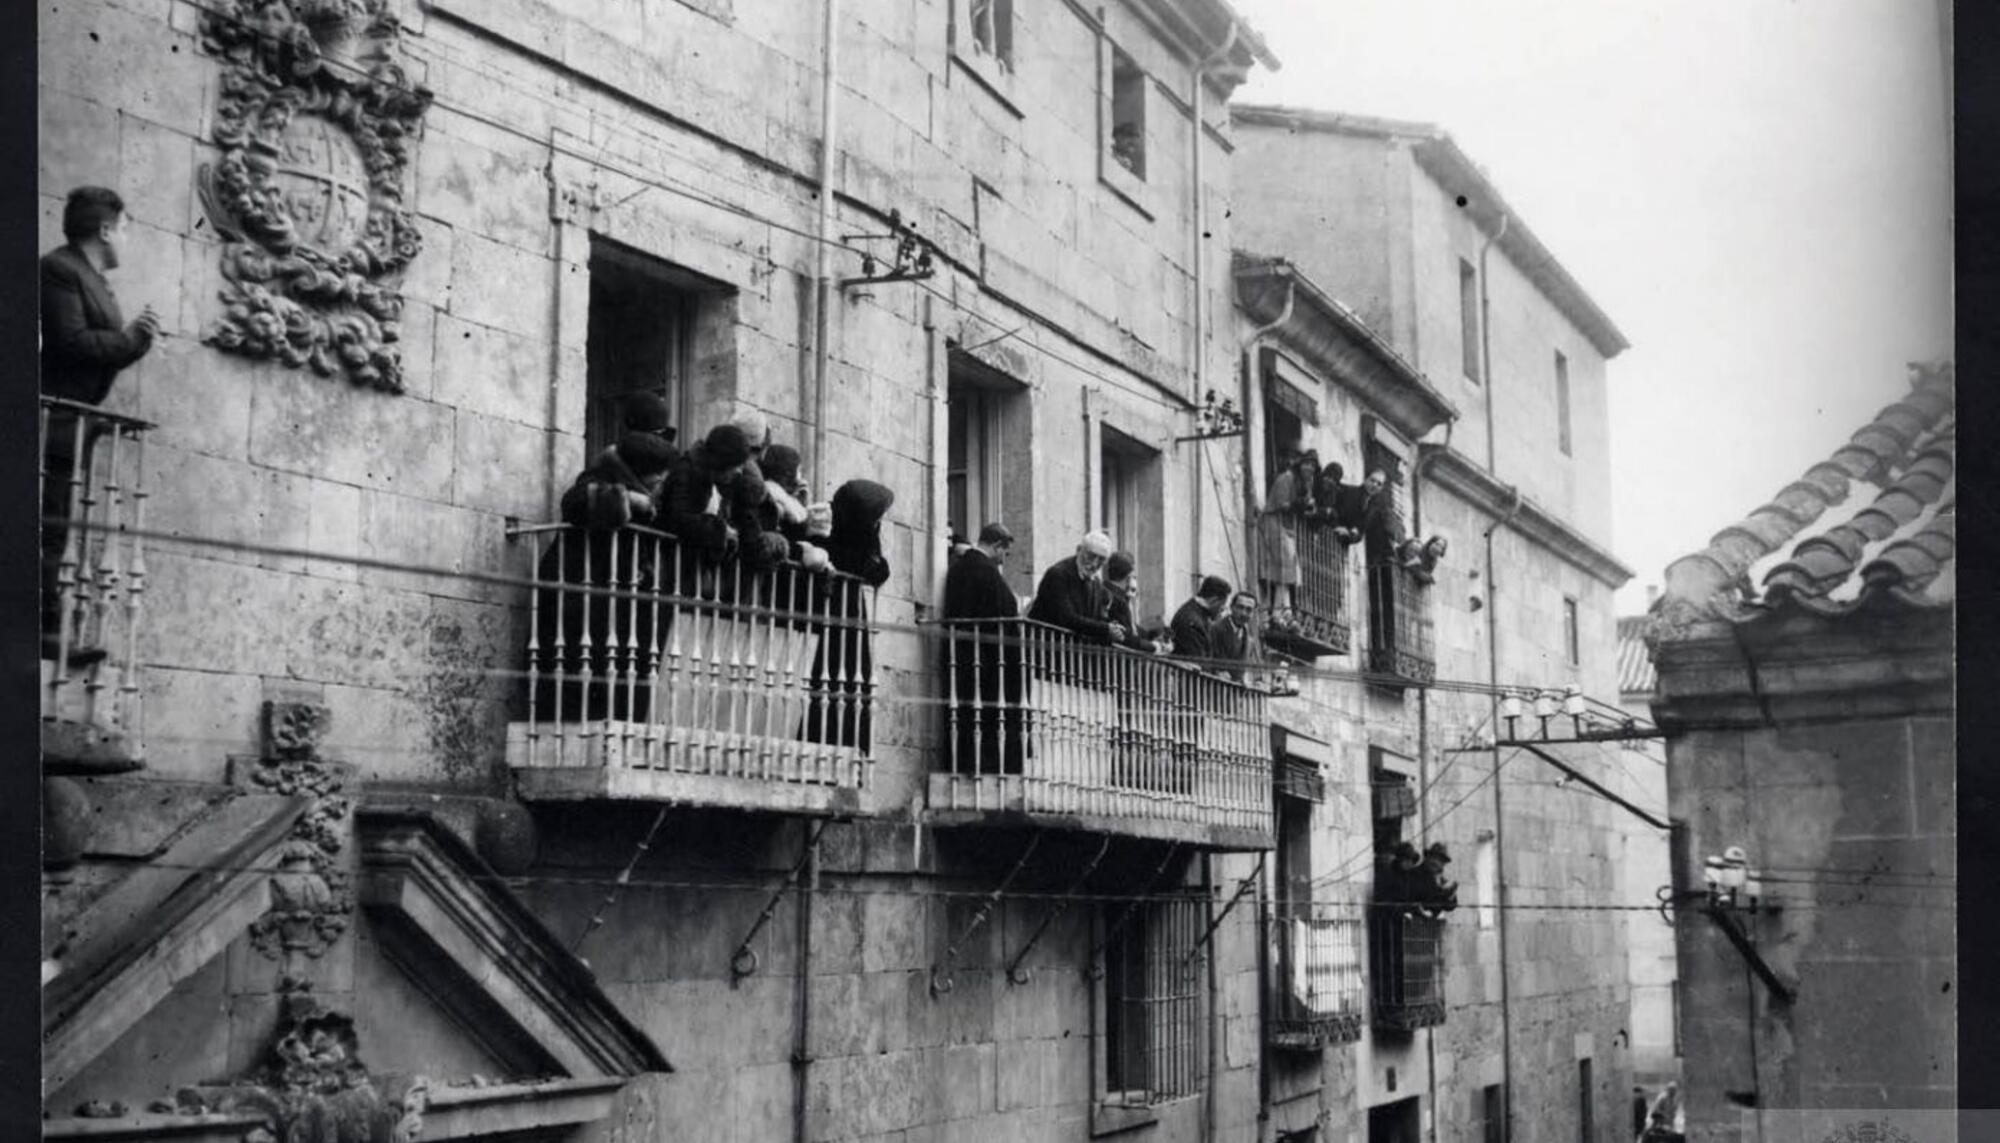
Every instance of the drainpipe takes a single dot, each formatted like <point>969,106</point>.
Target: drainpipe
<point>937,368</point>
<point>1208,1133</point>
<point>1499,816</point>
<point>1253,425</point>
<point>1425,457</point>
<point>802,992</point>
<point>1199,266</point>
<point>829,122</point>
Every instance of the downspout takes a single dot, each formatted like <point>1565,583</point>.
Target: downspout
<point>1425,457</point>
<point>936,368</point>
<point>1199,266</point>
<point>1253,426</point>
<point>1493,684</point>
<point>1208,1132</point>
<point>829,122</point>
<point>802,994</point>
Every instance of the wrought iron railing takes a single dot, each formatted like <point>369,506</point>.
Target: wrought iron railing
<point>1400,639</point>
<point>93,584</point>
<point>1406,965</point>
<point>646,655</point>
<point>1317,992</point>
<point>1318,623</point>
<point>1040,720</point>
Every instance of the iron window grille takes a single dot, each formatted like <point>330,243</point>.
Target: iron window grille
<point>1153,1029</point>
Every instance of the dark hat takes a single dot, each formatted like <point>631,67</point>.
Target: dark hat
<point>861,502</point>
<point>645,453</point>
<point>1334,471</point>
<point>781,465</point>
<point>745,489</point>
<point>1119,565</point>
<point>646,413</point>
<point>725,446</point>
<point>995,534</point>
<point>1214,587</point>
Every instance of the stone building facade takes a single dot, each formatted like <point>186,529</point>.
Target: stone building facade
<point>1806,687</point>
<point>1415,324</point>
<point>411,255</point>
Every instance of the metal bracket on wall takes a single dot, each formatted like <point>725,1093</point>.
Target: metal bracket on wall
<point>941,981</point>
<point>1019,975</point>
<point>912,261</point>
<point>743,962</point>
<point>1733,929</point>
<point>1242,887</point>
<point>1094,966</point>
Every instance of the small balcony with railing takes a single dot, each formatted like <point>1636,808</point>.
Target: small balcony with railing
<point>1044,727</point>
<point>655,673</point>
<point>1401,640</point>
<point>1406,965</point>
<point>93,588</point>
<point>1318,622</point>
<point>1317,992</point>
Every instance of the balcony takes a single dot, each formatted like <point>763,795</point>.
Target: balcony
<point>1043,725</point>
<point>1316,987</point>
<point>656,674</point>
<point>93,588</point>
<point>1318,622</point>
<point>1406,961</point>
<point>1400,639</point>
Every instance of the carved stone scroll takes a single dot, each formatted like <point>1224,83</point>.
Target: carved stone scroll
<point>314,124</point>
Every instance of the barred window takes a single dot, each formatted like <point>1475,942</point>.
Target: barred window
<point>1153,989</point>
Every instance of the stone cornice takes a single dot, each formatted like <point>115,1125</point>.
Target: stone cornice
<point>1340,345</point>
<point>443,912</point>
<point>1458,474</point>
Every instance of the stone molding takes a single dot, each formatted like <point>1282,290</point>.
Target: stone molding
<point>1452,470</point>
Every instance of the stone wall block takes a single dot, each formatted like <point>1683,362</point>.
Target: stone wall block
<point>227,504</point>
<point>202,629</point>
<point>428,276</point>
<point>501,286</point>
<point>156,174</point>
<point>501,468</point>
<point>485,181</point>
<point>78,145</point>
<point>325,427</point>
<point>128,60</point>
<point>1026,1073</point>
<point>493,371</point>
<point>895,933</point>
<point>195,719</point>
<point>346,633</point>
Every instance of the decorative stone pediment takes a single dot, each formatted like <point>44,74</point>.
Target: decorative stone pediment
<point>314,124</point>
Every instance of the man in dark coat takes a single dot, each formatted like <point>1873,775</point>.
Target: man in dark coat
<point>1229,637</point>
<point>685,496</point>
<point>1381,529</point>
<point>1193,624</point>
<point>1071,595</point>
<point>85,342</point>
<point>988,683</point>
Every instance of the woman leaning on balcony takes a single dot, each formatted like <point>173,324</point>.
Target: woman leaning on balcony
<point>1289,501</point>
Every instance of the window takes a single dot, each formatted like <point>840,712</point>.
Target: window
<point>1586,1111</point>
<point>1572,638</point>
<point>1130,487</point>
<point>1468,317</point>
<point>639,337</point>
<point>986,436</point>
<point>1152,1041</point>
<point>1493,1113</point>
<point>1562,403</point>
<point>992,26</point>
<point>1128,113</point>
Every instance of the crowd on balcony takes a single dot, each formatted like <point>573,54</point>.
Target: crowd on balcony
<point>1305,494</point>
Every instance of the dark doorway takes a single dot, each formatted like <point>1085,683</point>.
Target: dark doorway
<point>1396,1122</point>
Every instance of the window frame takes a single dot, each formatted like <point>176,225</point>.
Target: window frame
<point>1128,185</point>
<point>993,67</point>
<point>1564,440</point>
<point>1161,928</point>
<point>1586,1101</point>
<point>1468,322</point>
<point>686,298</point>
<point>1572,631</point>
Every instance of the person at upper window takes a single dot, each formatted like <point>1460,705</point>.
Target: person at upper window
<point>689,490</point>
<point>1289,501</point>
<point>1229,636</point>
<point>843,673</point>
<point>987,682</point>
<point>1376,519</point>
<point>1072,595</point>
<point>1422,559</point>
<point>85,343</point>
<point>1193,625</point>
<point>1121,584</point>
<point>648,413</point>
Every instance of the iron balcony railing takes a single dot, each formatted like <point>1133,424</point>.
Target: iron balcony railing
<point>657,672</point>
<point>93,585</point>
<point>1041,721</point>
<point>1316,987</point>
<point>1400,639</point>
<point>1406,963</point>
<point>1319,622</point>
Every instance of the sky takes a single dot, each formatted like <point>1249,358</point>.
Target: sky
<point>1757,191</point>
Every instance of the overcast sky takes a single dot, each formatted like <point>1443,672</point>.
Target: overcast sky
<point>1756,191</point>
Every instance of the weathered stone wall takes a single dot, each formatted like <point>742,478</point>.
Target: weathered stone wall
<point>1853,823</point>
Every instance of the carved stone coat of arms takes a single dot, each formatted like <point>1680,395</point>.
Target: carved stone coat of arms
<point>315,122</point>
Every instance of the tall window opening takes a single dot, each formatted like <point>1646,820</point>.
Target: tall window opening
<point>1562,403</point>
<point>987,467</point>
<point>1572,637</point>
<point>1128,113</point>
<point>992,26</point>
<point>1493,1114</point>
<point>1586,1103</point>
<point>640,337</point>
<point>1153,1047</point>
<point>1130,487</point>
<point>1468,317</point>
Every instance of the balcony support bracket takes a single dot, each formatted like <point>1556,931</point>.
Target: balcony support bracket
<point>1016,972</point>
<point>1094,966</point>
<point>1236,898</point>
<point>743,962</point>
<point>941,981</point>
<point>1733,929</point>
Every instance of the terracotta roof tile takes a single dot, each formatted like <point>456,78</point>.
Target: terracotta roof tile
<point>1896,545</point>
<point>1635,662</point>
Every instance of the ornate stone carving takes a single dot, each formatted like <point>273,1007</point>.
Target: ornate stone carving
<point>314,124</point>
<point>312,898</point>
<point>313,1087</point>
